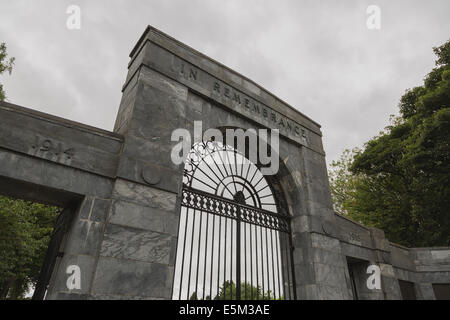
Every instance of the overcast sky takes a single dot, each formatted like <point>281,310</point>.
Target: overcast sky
<point>319,56</point>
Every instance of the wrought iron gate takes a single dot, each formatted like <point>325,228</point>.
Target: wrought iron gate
<point>233,240</point>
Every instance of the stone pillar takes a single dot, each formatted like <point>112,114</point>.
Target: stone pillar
<point>389,281</point>
<point>137,254</point>
<point>320,268</point>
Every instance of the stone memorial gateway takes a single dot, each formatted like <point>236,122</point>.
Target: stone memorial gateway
<point>137,229</point>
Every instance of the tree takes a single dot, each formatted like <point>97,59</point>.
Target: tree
<point>25,231</point>
<point>248,292</point>
<point>5,65</point>
<point>343,182</point>
<point>400,181</point>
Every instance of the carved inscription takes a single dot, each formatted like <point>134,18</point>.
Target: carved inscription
<point>52,150</point>
<point>191,73</point>
<point>239,101</point>
<point>354,238</point>
<point>257,109</point>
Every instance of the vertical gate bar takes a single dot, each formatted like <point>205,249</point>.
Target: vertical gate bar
<point>262,262</point>
<point>242,167</point>
<point>251,260</point>
<point>219,251</point>
<point>184,252</point>
<point>282,262</point>
<point>231,258</point>
<point>285,275</point>
<point>212,257</point>
<point>257,269</point>
<point>245,260</point>
<point>291,263</point>
<point>235,162</point>
<point>273,264</point>
<point>190,262</point>
<point>278,263</point>
<point>225,260</point>
<point>238,255</point>
<point>268,269</point>
<point>206,253</point>
<point>285,268</point>
<point>198,253</point>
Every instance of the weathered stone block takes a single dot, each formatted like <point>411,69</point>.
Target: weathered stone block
<point>301,239</point>
<point>324,242</point>
<point>100,210</point>
<point>305,273</point>
<point>391,288</point>
<point>45,173</point>
<point>329,292</point>
<point>85,208</point>
<point>137,244</point>
<point>84,237</point>
<point>58,283</point>
<point>148,174</point>
<point>162,83</point>
<point>155,151</point>
<point>330,275</point>
<point>137,216</point>
<point>358,252</point>
<point>327,257</point>
<point>132,278</point>
<point>144,195</point>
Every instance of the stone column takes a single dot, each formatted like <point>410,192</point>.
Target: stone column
<point>389,282</point>
<point>320,268</point>
<point>137,255</point>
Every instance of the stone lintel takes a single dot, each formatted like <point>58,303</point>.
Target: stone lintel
<point>215,81</point>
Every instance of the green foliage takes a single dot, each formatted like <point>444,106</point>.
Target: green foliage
<point>400,182</point>
<point>5,65</point>
<point>343,183</point>
<point>248,292</point>
<point>25,231</point>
